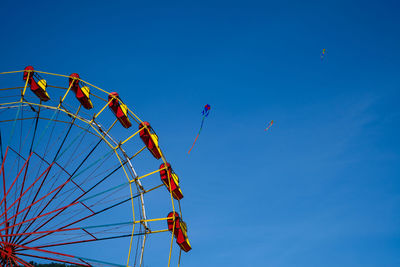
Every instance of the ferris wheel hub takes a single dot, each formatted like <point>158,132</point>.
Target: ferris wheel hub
<point>7,251</point>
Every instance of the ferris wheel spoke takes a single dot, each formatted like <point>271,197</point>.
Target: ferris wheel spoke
<point>41,232</point>
<point>4,190</point>
<point>91,215</point>
<point>26,171</point>
<point>35,129</point>
<point>100,182</point>
<point>11,186</point>
<point>13,126</point>
<point>75,188</point>
<point>6,209</point>
<point>65,138</point>
<point>116,188</point>
<point>73,141</point>
<point>61,187</point>
<point>86,158</point>
<point>59,211</point>
<point>35,218</point>
<point>20,139</point>
<point>40,203</point>
<point>54,255</point>
<point>55,177</point>
<point>54,144</point>
<point>50,138</point>
<point>4,187</point>
<point>56,112</point>
<point>6,194</point>
<point>95,239</point>
<point>82,219</point>
<point>94,163</point>
<point>34,198</point>
<point>112,206</point>
<point>32,220</point>
<point>13,259</point>
<point>1,147</point>
<point>22,194</point>
<point>46,172</point>
<point>18,237</point>
<point>54,259</point>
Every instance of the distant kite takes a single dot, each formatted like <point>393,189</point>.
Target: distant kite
<point>205,113</point>
<point>323,54</point>
<point>269,125</point>
<point>206,110</point>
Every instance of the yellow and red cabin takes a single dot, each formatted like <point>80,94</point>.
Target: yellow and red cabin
<point>81,93</point>
<point>37,87</point>
<point>172,184</point>
<point>150,139</point>
<point>119,109</point>
<point>180,230</point>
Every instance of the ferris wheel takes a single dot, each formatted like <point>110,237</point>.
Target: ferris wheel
<point>83,179</point>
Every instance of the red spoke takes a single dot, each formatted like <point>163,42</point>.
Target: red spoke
<point>4,186</point>
<point>47,204</point>
<point>22,194</point>
<point>10,255</point>
<point>22,188</point>
<point>67,243</point>
<point>54,259</point>
<point>61,210</point>
<point>16,178</point>
<point>35,202</point>
<point>39,216</point>
<point>60,228</point>
<point>82,219</point>
<point>45,232</point>
<point>46,251</point>
<point>90,240</point>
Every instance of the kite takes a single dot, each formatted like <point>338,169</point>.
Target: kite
<point>323,54</point>
<point>269,125</point>
<point>205,113</point>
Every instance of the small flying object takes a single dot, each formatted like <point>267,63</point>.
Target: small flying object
<point>323,54</point>
<point>269,125</point>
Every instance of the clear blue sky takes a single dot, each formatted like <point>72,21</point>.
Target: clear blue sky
<point>322,187</point>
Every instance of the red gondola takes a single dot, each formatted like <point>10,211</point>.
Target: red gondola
<point>26,71</point>
<point>39,88</point>
<point>180,231</point>
<point>81,93</point>
<point>119,109</point>
<point>173,181</point>
<point>150,139</point>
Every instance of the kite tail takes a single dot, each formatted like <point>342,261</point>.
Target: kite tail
<point>201,127</point>
<point>194,143</point>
